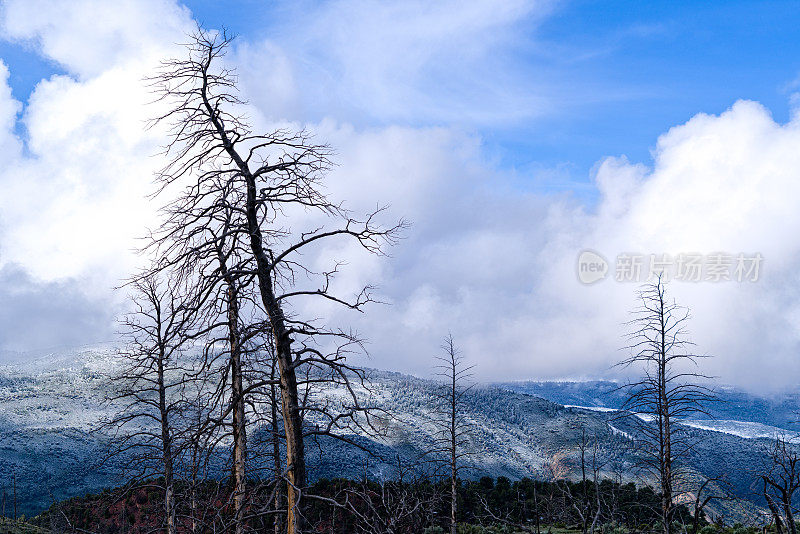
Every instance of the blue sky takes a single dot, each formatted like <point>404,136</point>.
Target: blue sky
<point>631,71</point>
<point>495,126</point>
<point>627,71</point>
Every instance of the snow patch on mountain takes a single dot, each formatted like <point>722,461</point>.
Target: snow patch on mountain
<point>592,408</point>
<point>743,429</point>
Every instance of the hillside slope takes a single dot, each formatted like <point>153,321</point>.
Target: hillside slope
<point>49,404</point>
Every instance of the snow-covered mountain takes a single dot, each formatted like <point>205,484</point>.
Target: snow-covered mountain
<point>734,411</point>
<point>744,429</point>
<point>50,402</point>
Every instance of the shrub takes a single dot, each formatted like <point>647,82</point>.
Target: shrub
<point>613,528</point>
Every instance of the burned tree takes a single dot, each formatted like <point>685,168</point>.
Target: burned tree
<point>588,503</point>
<point>453,431</point>
<point>585,497</point>
<point>275,437</point>
<point>710,490</point>
<point>206,258</point>
<point>670,389</point>
<point>404,504</point>
<point>262,182</point>
<point>232,287</point>
<point>780,480</point>
<point>149,428</point>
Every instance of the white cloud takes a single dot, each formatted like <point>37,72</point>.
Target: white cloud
<point>718,183</point>
<point>9,110</point>
<point>73,201</point>
<point>88,36</point>
<point>485,259</point>
<point>496,266</point>
<point>410,61</point>
<point>76,200</point>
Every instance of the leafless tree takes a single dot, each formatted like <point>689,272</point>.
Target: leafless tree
<point>710,489</point>
<point>275,437</point>
<point>587,505</point>
<point>453,431</point>
<point>257,184</point>
<point>670,389</point>
<point>208,261</point>
<point>233,286</point>
<point>592,511</point>
<point>391,506</point>
<point>780,480</point>
<point>149,428</point>
<point>495,517</point>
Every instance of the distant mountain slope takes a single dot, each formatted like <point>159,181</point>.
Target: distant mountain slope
<point>779,411</point>
<point>48,404</point>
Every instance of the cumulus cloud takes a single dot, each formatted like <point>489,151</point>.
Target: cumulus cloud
<point>720,183</point>
<point>88,36</point>
<point>73,199</point>
<point>497,266</point>
<point>717,183</point>
<point>486,258</point>
<point>37,315</point>
<point>74,202</point>
<point>9,110</point>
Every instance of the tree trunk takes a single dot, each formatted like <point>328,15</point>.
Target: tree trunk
<point>276,451</point>
<point>193,502</point>
<point>788,514</point>
<point>696,519</point>
<point>166,448</point>
<point>774,509</point>
<point>584,486</point>
<point>295,450</point>
<point>290,399</point>
<point>195,468</point>
<point>239,463</point>
<point>453,454</point>
<point>666,432</point>
<point>239,443</point>
<point>596,485</point>
<point>453,504</point>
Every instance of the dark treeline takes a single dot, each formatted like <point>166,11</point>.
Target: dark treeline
<point>347,506</point>
<point>523,505</point>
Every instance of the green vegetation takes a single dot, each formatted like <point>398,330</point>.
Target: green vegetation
<point>9,526</point>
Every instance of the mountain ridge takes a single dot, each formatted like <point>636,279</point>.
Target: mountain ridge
<point>46,441</point>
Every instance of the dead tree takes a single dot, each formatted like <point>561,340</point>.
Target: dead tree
<point>263,180</point>
<point>780,480</point>
<point>597,463</point>
<point>148,431</point>
<point>207,260</point>
<point>706,493</point>
<point>670,389</point>
<point>231,287</point>
<point>390,506</point>
<point>276,445</point>
<point>453,431</point>
<point>587,505</point>
<point>496,517</point>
